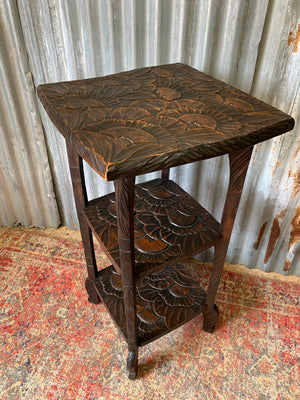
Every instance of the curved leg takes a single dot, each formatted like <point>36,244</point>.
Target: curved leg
<point>77,175</point>
<point>125,204</point>
<point>239,161</point>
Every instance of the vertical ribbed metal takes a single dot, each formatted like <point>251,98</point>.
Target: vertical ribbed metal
<point>275,176</point>
<point>26,189</point>
<point>253,45</point>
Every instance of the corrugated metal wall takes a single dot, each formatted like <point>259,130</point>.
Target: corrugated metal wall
<point>26,187</point>
<point>277,200</point>
<point>251,44</point>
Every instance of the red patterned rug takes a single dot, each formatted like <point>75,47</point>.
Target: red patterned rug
<point>56,345</point>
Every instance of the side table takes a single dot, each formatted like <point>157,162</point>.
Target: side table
<point>140,121</point>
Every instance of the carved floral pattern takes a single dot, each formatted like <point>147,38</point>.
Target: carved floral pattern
<point>156,117</point>
<point>165,300</point>
<point>169,223</point>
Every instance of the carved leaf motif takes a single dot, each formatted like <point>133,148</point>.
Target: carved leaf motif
<point>153,106</point>
<point>167,93</point>
<point>179,291</point>
<point>150,245</point>
<point>168,223</point>
<point>129,113</point>
<point>157,258</point>
<point>240,104</point>
<point>148,316</point>
<point>169,124</point>
<point>219,112</point>
<point>180,219</point>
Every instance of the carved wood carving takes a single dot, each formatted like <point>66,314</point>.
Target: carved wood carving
<point>77,175</point>
<point>140,121</point>
<point>239,161</point>
<point>165,300</point>
<point>125,202</point>
<point>169,225</point>
<point>154,118</point>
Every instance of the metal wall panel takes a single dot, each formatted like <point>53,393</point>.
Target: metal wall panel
<point>26,189</point>
<point>250,44</point>
<point>277,163</point>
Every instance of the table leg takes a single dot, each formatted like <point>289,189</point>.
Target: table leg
<point>125,207</point>
<point>165,174</point>
<point>239,161</point>
<point>78,182</point>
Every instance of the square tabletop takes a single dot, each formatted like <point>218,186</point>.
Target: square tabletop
<point>152,118</point>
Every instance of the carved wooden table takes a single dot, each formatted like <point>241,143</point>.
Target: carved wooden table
<point>140,121</point>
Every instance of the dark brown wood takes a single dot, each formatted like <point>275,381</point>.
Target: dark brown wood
<point>165,173</point>
<point>165,300</point>
<point>239,161</point>
<point>125,202</point>
<point>141,121</point>
<point>155,118</point>
<point>81,200</point>
<point>169,225</point>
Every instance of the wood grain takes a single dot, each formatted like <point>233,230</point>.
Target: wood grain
<point>140,121</point>
<point>125,204</point>
<point>169,225</point>
<point>77,175</point>
<point>154,118</point>
<point>238,162</point>
<point>165,300</point>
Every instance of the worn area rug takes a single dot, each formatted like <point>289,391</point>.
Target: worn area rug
<point>56,345</point>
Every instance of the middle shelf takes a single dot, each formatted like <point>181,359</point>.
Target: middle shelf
<point>169,226</point>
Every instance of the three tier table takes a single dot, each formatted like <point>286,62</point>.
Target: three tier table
<point>140,121</point>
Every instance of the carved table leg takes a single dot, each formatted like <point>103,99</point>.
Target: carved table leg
<point>77,175</point>
<point>165,174</point>
<point>125,203</point>
<point>239,161</point>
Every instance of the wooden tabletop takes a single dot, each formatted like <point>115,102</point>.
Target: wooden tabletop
<point>153,118</point>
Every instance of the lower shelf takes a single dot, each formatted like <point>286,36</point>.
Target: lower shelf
<point>165,300</point>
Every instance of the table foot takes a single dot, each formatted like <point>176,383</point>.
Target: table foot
<point>93,295</point>
<point>211,317</point>
<point>132,364</point>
